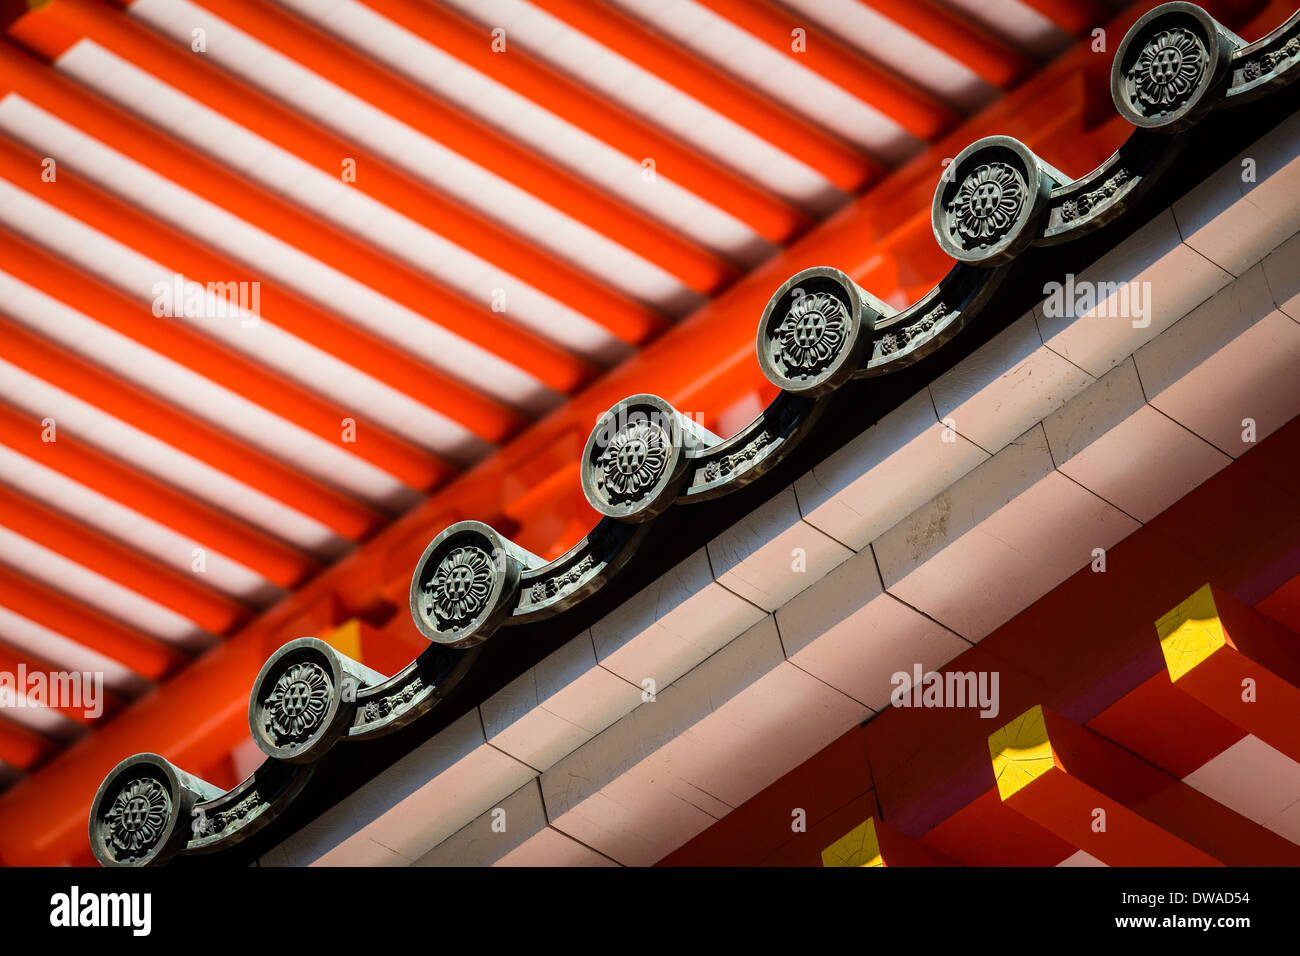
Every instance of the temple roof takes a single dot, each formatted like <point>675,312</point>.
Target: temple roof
<point>844,361</point>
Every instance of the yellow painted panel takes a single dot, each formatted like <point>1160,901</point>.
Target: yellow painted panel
<point>346,639</point>
<point>858,847</point>
<point>1190,633</point>
<point>1021,752</point>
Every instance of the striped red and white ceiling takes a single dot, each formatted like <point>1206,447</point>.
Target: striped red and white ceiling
<point>418,227</point>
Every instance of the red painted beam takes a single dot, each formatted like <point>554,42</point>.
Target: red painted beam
<point>1117,807</point>
<point>90,383</point>
<point>21,747</point>
<point>76,621</point>
<point>767,215</point>
<point>984,54</point>
<point>213,359</point>
<point>211,610</point>
<point>697,267</point>
<point>1283,605</point>
<point>176,509</point>
<point>1072,16</point>
<point>841,163</point>
<point>987,832</point>
<point>198,78</point>
<point>1165,726</point>
<point>100,118</point>
<point>10,662</point>
<point>913,110</point>
<point>1239,663</point>
<point>285,309</point>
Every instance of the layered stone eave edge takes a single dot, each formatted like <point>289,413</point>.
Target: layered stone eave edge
<point>818,332</point>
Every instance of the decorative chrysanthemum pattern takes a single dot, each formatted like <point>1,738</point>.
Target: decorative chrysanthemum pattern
<point>460,587</point>
<point>136,820</point>
<point>298,702</point>
<point>813,332</point>
<point>634,461</point>
<point>1168,69</point>
<point>987,204</point>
